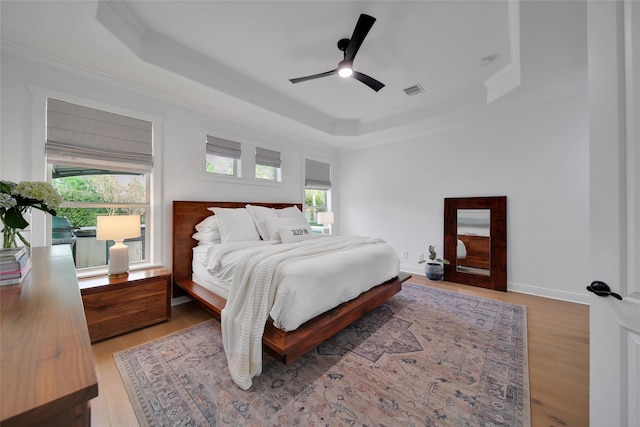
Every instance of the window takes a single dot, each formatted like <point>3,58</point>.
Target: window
<point>268,165</point>
<point>223,156</point>
<point>317,193</point>
<point>101,163</point>
<point>315,201</point>
<point>89,192</point>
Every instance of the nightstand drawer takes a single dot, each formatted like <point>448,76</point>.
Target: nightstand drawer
<point>124,305</point>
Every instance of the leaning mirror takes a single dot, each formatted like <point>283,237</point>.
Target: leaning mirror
<point>475,241</point>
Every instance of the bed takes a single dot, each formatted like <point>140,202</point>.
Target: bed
<point>285,346</point>
<point>477,251</point>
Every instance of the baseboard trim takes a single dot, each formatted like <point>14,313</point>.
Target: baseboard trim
<point>180,300</point>
<point>549,293</point>
<point>524,289</point>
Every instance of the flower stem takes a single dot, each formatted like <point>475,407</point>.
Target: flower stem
<point>10,236</point>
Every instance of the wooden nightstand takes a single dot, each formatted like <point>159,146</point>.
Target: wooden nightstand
<point>116,306</point>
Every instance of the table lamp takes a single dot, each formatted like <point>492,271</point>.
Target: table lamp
<point>118,228</point>
<point>325,218</point>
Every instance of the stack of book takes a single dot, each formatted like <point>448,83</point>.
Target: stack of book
<point>15,264</point>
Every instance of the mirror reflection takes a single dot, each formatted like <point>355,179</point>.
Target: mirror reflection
<point>473,251</point>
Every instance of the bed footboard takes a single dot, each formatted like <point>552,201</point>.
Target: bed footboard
<point>289,346</point>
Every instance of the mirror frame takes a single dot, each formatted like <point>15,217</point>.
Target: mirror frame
<point>497,279</point>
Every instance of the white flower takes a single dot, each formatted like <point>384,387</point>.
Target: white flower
<point>6,201</point>
<point>39,191</point>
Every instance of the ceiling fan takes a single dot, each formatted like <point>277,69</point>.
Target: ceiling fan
<point>350,47</point>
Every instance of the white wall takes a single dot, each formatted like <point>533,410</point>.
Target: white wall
<point>531,146</point>
<point>536,158</point>
<point>179,148</point>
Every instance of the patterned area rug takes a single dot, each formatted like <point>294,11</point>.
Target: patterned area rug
<point>428,357</point>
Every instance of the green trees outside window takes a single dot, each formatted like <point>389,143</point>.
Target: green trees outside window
<point>87,196</point>
<point>314,201</point>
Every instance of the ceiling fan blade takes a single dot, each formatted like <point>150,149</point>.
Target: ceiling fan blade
<point>364,24</point>
<point>314,76</point>
<point>369,81</point>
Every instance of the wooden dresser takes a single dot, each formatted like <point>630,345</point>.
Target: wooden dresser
<point>47,367</point>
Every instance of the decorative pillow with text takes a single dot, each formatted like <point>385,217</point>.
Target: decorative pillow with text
<point>295,233</point>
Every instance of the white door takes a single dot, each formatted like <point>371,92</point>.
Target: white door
<point>614,138</point>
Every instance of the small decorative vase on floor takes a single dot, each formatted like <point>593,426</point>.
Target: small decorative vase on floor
<point>434,271</point>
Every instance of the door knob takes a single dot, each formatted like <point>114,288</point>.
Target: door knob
<point>602,290</point>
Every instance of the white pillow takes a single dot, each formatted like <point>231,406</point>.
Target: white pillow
<point>272,225</point>
<point>259,214</point>
<point>295,233</point>
<point>210,223</point>
<point>207,236</point>
<point>293,212</point>
<point>236,225</point>
<point>208,243</point>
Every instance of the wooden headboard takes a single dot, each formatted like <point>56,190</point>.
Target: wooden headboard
<point>186,215</point>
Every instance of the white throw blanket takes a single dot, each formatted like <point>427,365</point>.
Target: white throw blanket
<point>251,296</point>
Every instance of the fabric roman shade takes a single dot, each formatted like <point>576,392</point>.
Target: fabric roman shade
<point>223,147</point>
<point>85,136</point>
<point>317,175</point>
<point>267,157</point>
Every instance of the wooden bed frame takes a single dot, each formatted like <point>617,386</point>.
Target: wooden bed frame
<point>285,346</point>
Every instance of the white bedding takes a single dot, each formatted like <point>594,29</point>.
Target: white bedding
<point>461,250</point>
<point>200,274</point>
<point>257,281</point>
<point>307,287</point>
<point>305,279</point>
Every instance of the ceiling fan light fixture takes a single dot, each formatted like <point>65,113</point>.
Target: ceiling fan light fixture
<point>345,70</point>
<point>349,47</point>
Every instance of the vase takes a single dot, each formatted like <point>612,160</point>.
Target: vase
<point>13,237</point>
<point>434,271</point>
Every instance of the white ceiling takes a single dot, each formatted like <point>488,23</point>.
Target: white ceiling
<point>248,51</point>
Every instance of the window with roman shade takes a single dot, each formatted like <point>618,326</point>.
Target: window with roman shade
<point>101,163</point>
<point>268,164</point>
<point>317,192</point>
<point>317,175</point>
<point>223,156</point>
<point>86,136</point>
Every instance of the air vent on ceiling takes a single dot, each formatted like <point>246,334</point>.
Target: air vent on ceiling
<point>488,60</point>
<point>413,90</point>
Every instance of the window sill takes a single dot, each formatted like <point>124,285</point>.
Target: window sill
<point>240,180</point>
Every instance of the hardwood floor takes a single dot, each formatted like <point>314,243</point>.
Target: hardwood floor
<point>558,338</point>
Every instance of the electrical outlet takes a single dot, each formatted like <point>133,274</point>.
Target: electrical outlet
<point>421,258</point>
<point>405,255</point>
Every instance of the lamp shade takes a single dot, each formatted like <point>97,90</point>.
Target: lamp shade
<point>325,218</point>
<point>117,227</point>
